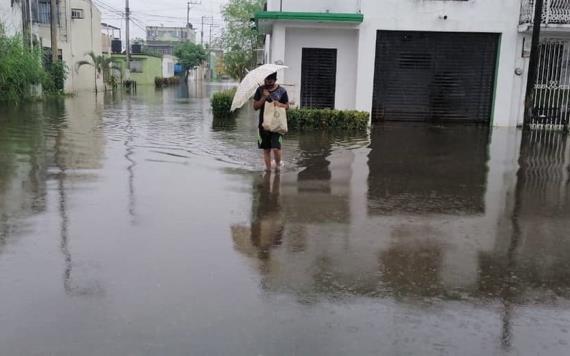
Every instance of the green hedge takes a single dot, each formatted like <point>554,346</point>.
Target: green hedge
<point>315,119</point>
<point>222,103</point>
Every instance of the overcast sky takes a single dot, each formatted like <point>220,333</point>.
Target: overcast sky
<point>161,12</point>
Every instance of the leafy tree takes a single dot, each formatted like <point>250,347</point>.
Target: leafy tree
<point>241,38</point>
<point>102,65</point>
<point>190,55</point>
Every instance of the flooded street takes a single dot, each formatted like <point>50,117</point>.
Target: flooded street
<point>138,225</point>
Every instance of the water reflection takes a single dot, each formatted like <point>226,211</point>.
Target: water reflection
<point>458,224</point>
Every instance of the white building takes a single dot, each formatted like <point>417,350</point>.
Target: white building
<point>79,32</point>
<point>407,60</point>
<point>11,17</point>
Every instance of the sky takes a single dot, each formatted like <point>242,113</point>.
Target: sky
<point>162,12</point>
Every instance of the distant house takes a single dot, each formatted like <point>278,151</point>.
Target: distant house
<point>144,68</point>
<point>410,60</point>
<point>163,40</point>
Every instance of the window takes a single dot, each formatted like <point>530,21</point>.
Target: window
<point>41,12</point>
<point>136,66</point>
<point>76,13</point>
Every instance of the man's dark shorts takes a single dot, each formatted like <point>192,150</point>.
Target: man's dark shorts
<point>269,140</point>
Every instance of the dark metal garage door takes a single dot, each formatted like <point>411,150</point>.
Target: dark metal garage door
<point>434,76</point>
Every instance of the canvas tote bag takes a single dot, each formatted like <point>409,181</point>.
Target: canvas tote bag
<point>275,118</point>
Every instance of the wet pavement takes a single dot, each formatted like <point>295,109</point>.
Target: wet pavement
<point>138,225</point>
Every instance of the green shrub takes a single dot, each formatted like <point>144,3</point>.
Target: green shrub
<point>222,103</point>
<point>20,68</point>
<point>54,80</point>
<point>316,119</point>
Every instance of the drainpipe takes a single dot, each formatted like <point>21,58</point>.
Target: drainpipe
<point>533,63</point>
<point>281,5</point>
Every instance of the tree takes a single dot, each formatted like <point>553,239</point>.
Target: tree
<point>190,55</point>
<point>241,38</point>
<point>102,66</point>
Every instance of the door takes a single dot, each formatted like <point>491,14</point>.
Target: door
<point>434,76</point>
<point>318,78</point>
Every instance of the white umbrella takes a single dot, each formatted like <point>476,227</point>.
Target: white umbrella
<point>251,82</point>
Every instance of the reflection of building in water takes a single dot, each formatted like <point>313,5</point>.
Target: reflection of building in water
<point>535,254</point>
<point>428,170</point>
<point>23,168</point>
<point>340,238</point>
<point>58,140</point>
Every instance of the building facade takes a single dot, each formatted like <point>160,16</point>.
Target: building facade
<point>11,17</point>
<point>163,40</point>
<point>79,32</point>
<point>144,68</point>
<point>408,60</point>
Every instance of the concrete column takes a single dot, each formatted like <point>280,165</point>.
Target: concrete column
<point>365,67</point>
<point>278,47</point>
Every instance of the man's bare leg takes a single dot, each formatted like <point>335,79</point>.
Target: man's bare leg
<point>277,156</point>
<point>267,159</point>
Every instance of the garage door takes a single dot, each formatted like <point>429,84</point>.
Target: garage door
<point>434,76</point>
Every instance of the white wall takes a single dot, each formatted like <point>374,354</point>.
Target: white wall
<point>345,41</point>
<point>84,36</point>
<point>489,16</point>
<point>11,17</point>
<point>168,66</point>
<point>315,5</point>
<point>77,37</point>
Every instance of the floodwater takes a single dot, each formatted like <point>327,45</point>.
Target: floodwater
<point>137,225</point>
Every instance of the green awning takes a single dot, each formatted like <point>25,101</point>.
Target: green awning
<point>309,16</point>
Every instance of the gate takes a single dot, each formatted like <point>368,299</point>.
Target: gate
<point>551,107</point>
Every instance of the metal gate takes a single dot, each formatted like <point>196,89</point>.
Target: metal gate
<point>434,76</point>
<point>318,78</point>
<point>551,107</point>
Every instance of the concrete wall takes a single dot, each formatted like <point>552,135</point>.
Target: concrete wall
<point>168,63</point>
<point>488,16</point>
<point>151,68</point>
<point>77,37</point>
<point>345,41</point>
<point>315,6</point>
<point>10,17</point>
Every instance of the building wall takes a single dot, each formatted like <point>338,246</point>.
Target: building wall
<point>488,16</point>
<point>168,63</point>
<point>77,37</point>
<point>481,16</point>
<point>11,17</point>
<point>345,41</point>
<point>315,5</point>
<point>151,68</point>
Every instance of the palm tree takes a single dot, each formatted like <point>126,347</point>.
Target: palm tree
<point>102,66</point>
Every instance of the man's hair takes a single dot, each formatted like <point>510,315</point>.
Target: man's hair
<point>272,77</point>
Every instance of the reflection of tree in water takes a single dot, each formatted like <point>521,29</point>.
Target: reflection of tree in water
<point>23,165</point>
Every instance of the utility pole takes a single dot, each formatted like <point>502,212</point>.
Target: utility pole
<point>54,23</point>
<point>26,23</point>
<point>533,63</point>
<point>189,6</point>
<point>127,40</point>
<point>202,32</point>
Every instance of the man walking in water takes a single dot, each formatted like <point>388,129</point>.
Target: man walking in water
<point>270,141</point>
